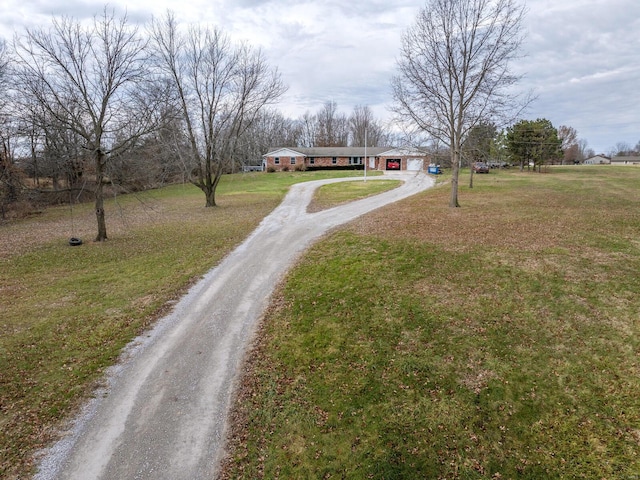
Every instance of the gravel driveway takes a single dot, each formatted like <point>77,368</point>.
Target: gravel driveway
<point>162,413</point>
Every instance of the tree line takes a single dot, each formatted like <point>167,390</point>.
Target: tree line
<point>112,105</point>
<point>105,105</point>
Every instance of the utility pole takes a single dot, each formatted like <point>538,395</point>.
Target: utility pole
<point>365,154</point>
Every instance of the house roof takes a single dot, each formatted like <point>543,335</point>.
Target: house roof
<point>339,151</point>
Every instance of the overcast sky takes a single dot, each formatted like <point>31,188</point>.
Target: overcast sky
<point>583,56</point>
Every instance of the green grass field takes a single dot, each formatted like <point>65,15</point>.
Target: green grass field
<point>498,340</point>
<point>66,312</point>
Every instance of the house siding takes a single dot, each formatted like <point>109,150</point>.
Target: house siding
<point>626,160</point>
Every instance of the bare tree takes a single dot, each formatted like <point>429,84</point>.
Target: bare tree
<point>271,129</point>
<point>221,89</point>
<point>363,122</point>
<point>570,148</point>
<point>623,149</point>
<point>92,80</point>
<point>11,183</point>
<point>308,129</point>
<point>332,127</point>
<point>454,70</point>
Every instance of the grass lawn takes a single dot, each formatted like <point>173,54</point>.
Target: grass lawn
<point>334,194</point>
<point>497,340</point>
<point>66,312</point>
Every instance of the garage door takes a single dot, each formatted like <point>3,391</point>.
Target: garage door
<point>414,164</point>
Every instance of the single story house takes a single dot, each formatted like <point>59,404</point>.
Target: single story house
<point>597,160</point>
<point>626,160</point>
<point>375,158</point>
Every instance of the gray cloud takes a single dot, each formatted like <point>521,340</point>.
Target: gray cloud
<point>582,55</point>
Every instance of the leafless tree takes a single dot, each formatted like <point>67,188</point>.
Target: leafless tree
<point>270,129</point>
<point>363,122</point>
<point>157,158</point>
<point>308,124</point>
<point>623,149</point>
<point>332,127</point>
<point>570,148</point>
<point>10,176</point>
<point>221,89</point>
<point>454,70</point>
<point>92,80</point>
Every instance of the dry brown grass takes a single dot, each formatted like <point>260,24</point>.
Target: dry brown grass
<point>486,220</point>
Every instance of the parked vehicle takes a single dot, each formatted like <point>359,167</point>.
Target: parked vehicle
<point>494,164</point>
<point>480,167</point>
<point>393,164</point>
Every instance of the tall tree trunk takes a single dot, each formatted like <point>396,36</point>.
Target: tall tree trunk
<point>210,189</point>
<point>455,174</point>
<point>102,225</point>
<point>210,195</point>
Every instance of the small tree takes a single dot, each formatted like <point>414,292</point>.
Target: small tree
<point>454,70</point>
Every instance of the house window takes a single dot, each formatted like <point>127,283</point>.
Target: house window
<point>355,160</point>
<point>276,160</point>
<point>312,161</point>
<point>334,160</point>
<point>293,160</point>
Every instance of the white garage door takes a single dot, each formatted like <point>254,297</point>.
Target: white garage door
<point>414,164</point>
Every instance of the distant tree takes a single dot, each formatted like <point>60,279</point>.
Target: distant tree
<point>93,81</point>
<point>589,152</point>
<point>56,150</point>
<point>362,123</point>
<point>583,151</point>
<point>221,89</point>
<point>157,158</point>
<point>623,149</point>
<point>332,127</point>
<point>533,142</point>
<point>270,129</point>
<point>454,70</point>
<point>10,175</point>
<point>478,144</point>
<point>308,125</point>
<point>570,148</point>
<point>499,150</point>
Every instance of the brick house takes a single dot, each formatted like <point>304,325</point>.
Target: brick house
<point>378,158</point>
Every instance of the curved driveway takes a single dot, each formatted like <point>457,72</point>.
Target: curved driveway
<point>163,413</point>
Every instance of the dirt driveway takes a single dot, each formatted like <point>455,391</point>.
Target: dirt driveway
<point>163,412</point>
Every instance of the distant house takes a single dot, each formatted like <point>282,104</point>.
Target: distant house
<point>597,160</point>
<point>626,160</point>
<point>377,158</point>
